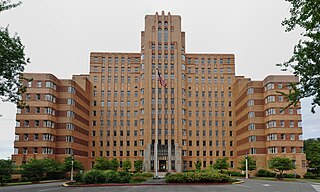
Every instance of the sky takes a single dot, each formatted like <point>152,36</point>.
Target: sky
<point>59,36</point>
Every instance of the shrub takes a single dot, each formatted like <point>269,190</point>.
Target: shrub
<point>290,175</point>
<point>112,176</point>
<point>94,176</point>
<point>138,178</point>
<point>198,177</point>
<point>234,173</point>
<point>176,178</point>
<point>309,175</point>
<point>125,177</point>
<point>144,174</point>
<point>265,173</point>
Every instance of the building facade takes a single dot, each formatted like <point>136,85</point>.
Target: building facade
<point>205,111</point>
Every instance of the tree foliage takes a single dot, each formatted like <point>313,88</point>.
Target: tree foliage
<point>77,165</point>
<point>138,165</point>
<point>252,165</point>
<point>6,5</point>
<point>312,150</point>
<point>114,164</point>
<point>127,165</point>
<point>221,164</point>
<point>6,169</point>
<point>102,164</point>
<point>280,164</point>
<point>198,165</point>
<point>37,169</point>
<point>12,62</point>
<point>305,61</point>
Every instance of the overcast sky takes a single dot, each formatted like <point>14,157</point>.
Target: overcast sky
<point>59,36</point>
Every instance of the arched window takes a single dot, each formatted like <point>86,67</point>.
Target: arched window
<point>165,35</point>
<point>159,34</point>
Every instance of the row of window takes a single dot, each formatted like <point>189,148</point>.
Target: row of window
<point>204,153</point>
<point>274,137</point>
<point>37,97</point>
<point>45,150</point>
<point>273,123</point>
<point>274,111</point>
<point>48,84</point>
<point>117,59</point>
<point>26,123</point>
<point>45,137</point>
<point>271,86</point>
<point>274,150</point>
<point>37,110</point>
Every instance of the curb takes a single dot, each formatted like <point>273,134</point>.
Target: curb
<point>145,184</point>
<point>238,182</point>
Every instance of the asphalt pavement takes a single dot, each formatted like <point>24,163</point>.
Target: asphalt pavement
<point>247,186</point>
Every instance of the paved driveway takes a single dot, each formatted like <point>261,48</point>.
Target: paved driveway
<point>248,186</point>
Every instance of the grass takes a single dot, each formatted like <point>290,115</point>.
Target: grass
<point>286,179</point>
<point>19,183</point>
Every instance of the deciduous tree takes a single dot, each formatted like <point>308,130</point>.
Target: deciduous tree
<point>312,150</point>
<point>221,164</point>
<point>138,165</point>
<point>6,169</point>
<point>280,164</point>
<point>305,60</point>
<point>252,165</point>
<point>12,62</point>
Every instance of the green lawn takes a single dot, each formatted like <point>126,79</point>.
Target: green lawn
<point>19,183</point>
<point>286,179</point>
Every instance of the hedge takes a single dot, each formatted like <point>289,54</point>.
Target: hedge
<point>198,177</point>
<point>109,176</point>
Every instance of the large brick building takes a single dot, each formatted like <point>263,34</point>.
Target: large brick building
<point>205,112</point>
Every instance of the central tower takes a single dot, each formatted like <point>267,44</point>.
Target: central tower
<point>162,48</point>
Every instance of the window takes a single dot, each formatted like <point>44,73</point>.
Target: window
<point>271,111</point>
<point>253,150</point>
<point>252,138</point>
<point>270,98</point>
<point>292,137</point>
<point>272,150</point>
<point>251,126</point>
<point>271,124</point>
<point>272,137</point>
<point>251,114</point>
<point>291,123</point>
<point>250,102</point>
<point>269,86</point>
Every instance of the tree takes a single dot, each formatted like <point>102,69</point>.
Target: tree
<point>127,165</point>
<point>6,169</point>
<point>251,164</point>
<point>114,164</point>
<point>221,164</point>
<point>305,61</point>
<point>37,169</point>
<point>280,164</point>
<point>77,165</point>
<point>312,150</point>
<point>138,165</point>
<point>102,164</point>
<point>198,165</point>
<point>12,62</point>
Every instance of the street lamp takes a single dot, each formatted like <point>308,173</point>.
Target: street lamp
<point>72,159</point>
<point>247,165</point>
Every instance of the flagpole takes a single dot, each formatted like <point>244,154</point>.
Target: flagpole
<point>156,130</point>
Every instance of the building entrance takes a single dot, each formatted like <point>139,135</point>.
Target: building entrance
<point>162,165</point>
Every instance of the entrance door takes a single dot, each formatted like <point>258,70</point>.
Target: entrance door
<point>162,165</point>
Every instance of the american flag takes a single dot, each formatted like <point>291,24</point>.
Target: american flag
<point>163,83</point>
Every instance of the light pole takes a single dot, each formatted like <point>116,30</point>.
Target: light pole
<point>247,166</point>
<point>72,158</point>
